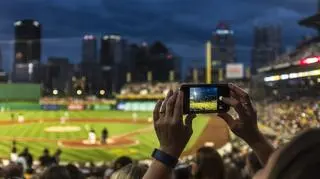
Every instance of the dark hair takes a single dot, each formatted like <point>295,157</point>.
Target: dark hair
<point>131,171</point>
<point>183,172</point>
<point>121,162</point>
<point>299,159</point>
<point>56,172</point>
<point>74,172</point>
<point>13,171</point>
<point>209,164</point>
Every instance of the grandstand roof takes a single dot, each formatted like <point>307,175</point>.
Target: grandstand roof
<point>312,21</point>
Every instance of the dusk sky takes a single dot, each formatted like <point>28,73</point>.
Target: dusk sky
<point>184,25</point>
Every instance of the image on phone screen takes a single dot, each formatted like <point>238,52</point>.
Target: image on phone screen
<point>203,99</point>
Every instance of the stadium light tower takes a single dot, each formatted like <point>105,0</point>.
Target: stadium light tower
<point>102,92</point>
<point>79,92</point>
<point>55,92</point>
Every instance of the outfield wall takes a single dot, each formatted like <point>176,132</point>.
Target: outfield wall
<point>20,92</point>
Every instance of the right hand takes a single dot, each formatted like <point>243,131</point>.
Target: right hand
<point>173,134</point>
<point>245,126</point>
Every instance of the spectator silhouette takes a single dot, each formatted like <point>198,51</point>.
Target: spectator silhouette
<point>299,159</point>
<point>27,156</point>
<point>45,159</point>
<point>56,172</point>
<point>130,171</point>
<point>13,170</point>
<point>121,162</point>
<point>209,164</point>
<point>182,172</point>
<point>74,172</point>
<point>56,156</point>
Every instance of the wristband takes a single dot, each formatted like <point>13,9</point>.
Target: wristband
<point>165,158</point>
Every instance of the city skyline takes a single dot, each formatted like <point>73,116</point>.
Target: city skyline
<point>184,27</point>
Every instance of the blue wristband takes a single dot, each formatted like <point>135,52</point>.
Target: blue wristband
<point>165,158</point>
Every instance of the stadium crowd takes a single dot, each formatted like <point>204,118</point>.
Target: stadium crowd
<point>285,154</point>
<point>148,88</point>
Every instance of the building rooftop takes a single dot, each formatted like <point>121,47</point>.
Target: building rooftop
<point>312,21</point>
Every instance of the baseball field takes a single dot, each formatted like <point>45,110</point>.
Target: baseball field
<point>69,132</point>
<point>203,105</point>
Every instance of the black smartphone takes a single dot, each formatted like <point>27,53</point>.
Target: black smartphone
<point>205,98</point>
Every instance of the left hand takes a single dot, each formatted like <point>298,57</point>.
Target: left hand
<point>173,134</point>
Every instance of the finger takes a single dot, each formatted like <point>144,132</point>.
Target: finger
<point>164,103</point>
<point>227,118</point>
<point>156,111</point>
<point>238,91</point>
<point>234,95</point>
<point>230,101</point>
<point>188,121</point>
<point>241,95</point>
<point>170,105</point>
<point>235,104</point>
<point>178,108</point>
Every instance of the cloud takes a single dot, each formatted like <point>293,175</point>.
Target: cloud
<point>183,24</point>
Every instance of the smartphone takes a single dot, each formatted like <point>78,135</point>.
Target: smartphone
<point>205,98</point>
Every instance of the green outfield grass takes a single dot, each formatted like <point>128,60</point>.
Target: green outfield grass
<point>147,140</point>
<point>202,106</point>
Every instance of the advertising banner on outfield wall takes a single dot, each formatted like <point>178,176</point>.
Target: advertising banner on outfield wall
<point>101,107</point>
<point>136,105</point>
<point>234,71</point>
<point>76,107</point>
<point>50,107</point>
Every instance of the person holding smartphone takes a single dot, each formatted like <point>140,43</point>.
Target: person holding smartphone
<point>173,134</point>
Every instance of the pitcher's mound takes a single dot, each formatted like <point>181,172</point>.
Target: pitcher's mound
<point>62,129</point>
<point>113,142</point>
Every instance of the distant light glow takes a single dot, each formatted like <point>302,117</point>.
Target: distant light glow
<point>18,23</point>
<point>79,92</point>
<point>310,60</point>
<point>55,92</point>
<point>115,37</point>
<point>36,23</point>
<point>292,75</point>
<point>224,32</point>
<point>284,77</point>
<point>144,44</point>
<point>102,92</point>
<point>30,68</point>
<point>106,37</point>
<point>88,37</point>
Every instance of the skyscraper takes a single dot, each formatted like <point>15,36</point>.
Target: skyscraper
<point>111,58</point>
<point>27,51</point>
<point>223,45</point>
<point>89,49</point>
<point>27,41</point>
<point>267,45</point>
<point>111,50</point>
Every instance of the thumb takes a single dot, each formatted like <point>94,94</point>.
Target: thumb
<point>227,118</point>
<point>189,119</point>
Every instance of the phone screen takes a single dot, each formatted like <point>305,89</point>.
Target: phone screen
<point>203,99</point>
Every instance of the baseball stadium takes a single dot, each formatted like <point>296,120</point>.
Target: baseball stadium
<point>39,123</point>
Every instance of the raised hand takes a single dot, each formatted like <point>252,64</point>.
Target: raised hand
<point>173,134</point>
<point>246,125</point>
